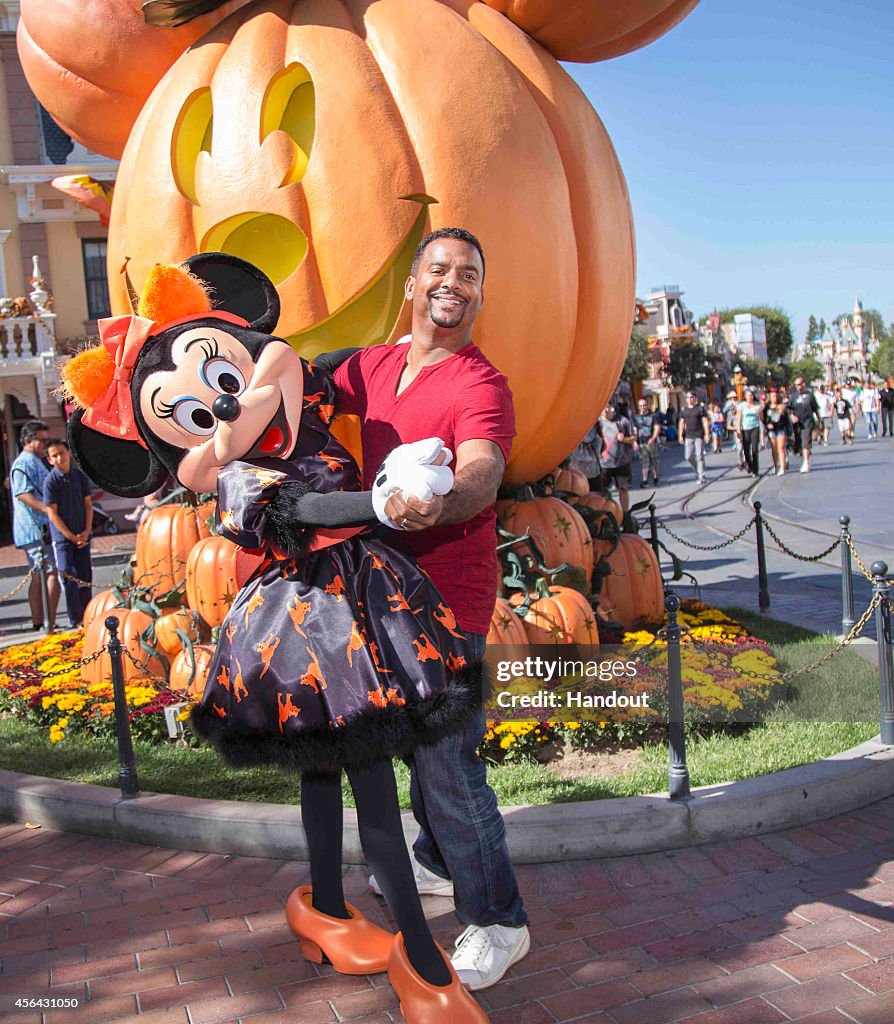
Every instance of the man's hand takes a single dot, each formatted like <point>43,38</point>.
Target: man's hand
<point>412,514</point>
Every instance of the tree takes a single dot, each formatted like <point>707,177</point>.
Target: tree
<point>822,327</point>
<point>812,330</point>
<point>636,365</point>
<point>689,364</point>
<point>882,361</point>
<point>779,328</point>
<point>809,368</point>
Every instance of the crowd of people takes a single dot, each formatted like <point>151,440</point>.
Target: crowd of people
<point>786,423</point>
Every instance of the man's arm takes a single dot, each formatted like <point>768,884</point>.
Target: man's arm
<point>27,498</point>
<point>477,474</point>
<point>656,430</point>
<point>706,427</point>
<point>681,430</point>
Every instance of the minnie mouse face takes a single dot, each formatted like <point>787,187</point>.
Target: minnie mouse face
<point>222,402</point>
<point>209,388</point>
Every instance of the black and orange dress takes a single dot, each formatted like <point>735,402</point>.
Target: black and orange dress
<point>338,657</point>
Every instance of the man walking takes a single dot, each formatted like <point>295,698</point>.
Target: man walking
<point>870,401</point>
<point>844,414</point>
<point>694,430</point>
<point>29,516</point>
<point>824,401</point>
<point>886,402</point>
<point>647,426</point>
<point>804,411</point>
<point>616,453</point>
<point>66,493</point>
<point>441,384</point>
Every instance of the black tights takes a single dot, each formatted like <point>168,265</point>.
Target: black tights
<point>382,839</point>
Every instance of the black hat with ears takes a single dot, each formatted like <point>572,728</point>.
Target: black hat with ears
<point>122,465</point>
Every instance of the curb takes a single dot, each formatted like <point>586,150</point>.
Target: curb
<point>536,834</point>
<point>109,558</point>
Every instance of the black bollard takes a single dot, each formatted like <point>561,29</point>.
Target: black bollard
<point>127,771</point>
<point>653,532</point>
<point>847,578</point>
<point>881,590</point>
<point>763,592</point>
<point>678,773</point>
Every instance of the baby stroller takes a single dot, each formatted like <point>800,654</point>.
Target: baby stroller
<point>103,523</point>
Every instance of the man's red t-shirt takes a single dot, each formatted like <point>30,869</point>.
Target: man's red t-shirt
<point>462,398</point>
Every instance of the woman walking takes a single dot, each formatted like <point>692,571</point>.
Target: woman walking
<point>777,423</point>
<point>749,427</point>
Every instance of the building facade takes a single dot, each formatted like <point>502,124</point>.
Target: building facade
<point>52,255</point>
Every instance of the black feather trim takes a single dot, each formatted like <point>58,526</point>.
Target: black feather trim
<point>374,735</point>
<point>283,531</point>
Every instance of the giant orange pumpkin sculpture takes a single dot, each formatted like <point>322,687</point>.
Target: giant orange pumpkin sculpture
<point>320,139</point>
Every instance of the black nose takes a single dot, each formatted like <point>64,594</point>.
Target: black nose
<point>226,408</point>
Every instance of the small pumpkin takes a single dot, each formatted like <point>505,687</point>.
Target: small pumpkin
<point>506,626</point>
<point>133,626</point>
<point>570,481</point>
<point>599,503</point>
<point>165,538</point>
<point>557,530</point>
<point>633,590</point>
<point>169,625</point>
<point>216,570</point>
<point>182,678</point>
<point>99,606</point>
<point>561,616</point>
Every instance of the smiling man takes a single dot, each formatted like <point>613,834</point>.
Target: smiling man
<point>441,384</point>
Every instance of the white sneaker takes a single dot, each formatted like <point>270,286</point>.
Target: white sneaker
<point>484,954</point>
<point>427,882</point>
<point>780,471</point>
<point>805,467</point>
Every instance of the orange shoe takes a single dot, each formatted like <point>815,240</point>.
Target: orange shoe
<point>421,1003</point>
<point>352,946</point>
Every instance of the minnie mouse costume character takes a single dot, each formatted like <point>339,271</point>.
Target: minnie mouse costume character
<point>339,653</point>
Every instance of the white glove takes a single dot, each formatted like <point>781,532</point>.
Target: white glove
<point>410,468</point>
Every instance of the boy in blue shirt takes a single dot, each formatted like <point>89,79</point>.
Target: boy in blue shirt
<point>66,493</point>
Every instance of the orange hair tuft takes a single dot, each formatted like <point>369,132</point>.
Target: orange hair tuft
<point>87,376</point>
<point>170,292</point>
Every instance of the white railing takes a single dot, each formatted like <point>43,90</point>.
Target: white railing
<point>24,338</point>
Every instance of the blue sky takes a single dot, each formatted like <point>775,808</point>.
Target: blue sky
<point>758,143</point>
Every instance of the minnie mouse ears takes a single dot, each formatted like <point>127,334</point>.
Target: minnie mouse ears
<point>586,31</point>
<point>593,30</point>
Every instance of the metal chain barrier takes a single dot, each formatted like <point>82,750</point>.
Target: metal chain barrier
<point>25,675</point>
<point>84,583</point>
<point>794,554</point>
<point>856,630</point>
<point>860,563</point>
<point>26,579</point>
<point>707,547</point>
<point>160,684</point>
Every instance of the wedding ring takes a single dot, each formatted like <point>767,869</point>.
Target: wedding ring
<point>403,523</point>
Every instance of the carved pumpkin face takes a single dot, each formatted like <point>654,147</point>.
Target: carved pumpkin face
<point>320,140</point>
<point>322,156</point>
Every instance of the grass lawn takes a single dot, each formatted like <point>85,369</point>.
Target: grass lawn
<point>830,710</point>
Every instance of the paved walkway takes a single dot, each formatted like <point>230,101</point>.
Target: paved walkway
<point>794,926</point>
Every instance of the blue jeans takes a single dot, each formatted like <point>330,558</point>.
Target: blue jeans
<point>872,424</point>
<point>76,562</point>
<point>461,830</point>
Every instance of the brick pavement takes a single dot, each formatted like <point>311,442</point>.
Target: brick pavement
<point>793,926</point>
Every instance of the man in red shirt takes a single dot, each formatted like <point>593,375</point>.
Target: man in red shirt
<point>440,384</point>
